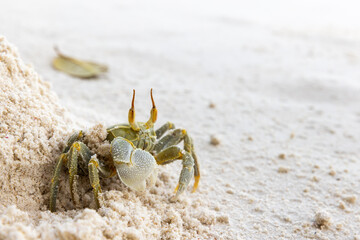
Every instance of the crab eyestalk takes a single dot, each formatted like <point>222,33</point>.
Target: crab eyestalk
<point>131,117</point>
<point>153,113</point>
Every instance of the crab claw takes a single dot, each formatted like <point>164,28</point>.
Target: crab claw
<point>134,166</point>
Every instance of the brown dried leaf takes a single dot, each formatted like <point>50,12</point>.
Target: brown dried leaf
<point>76,67</point>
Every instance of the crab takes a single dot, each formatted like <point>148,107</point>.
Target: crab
<point>136,150</point>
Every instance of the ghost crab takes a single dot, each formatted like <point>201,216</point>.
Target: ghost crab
<point>136,150</point>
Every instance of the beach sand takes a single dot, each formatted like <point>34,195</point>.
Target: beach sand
<point>268,92</point>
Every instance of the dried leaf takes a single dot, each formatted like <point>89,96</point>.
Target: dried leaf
<point>76,67</point>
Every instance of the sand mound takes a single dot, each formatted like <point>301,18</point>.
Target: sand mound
<point>33,129</point>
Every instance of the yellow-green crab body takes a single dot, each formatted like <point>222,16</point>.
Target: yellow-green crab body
<point>136,150</point>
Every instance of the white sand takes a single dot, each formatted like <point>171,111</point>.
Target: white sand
<point>284,79</point>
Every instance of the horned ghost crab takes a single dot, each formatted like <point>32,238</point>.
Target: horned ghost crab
<point>136,150</point>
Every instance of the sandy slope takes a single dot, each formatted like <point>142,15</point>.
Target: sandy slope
<point>284,79</point>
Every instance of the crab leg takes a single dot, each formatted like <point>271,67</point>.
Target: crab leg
<point>54,189</point>
<point>189,147</point>
<point>174,138</point>
<point>176,153</point>
<point>95,167</point>
<point>78,149</point>
<point>76,136</point>
<point>167,126</point>
<point>94,178</point>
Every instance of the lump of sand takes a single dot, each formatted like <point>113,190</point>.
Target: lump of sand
<point>32,128</point>
<point>322,219</point>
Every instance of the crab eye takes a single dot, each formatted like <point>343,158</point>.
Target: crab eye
<point>131,116</point>
<point>153,113</point>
